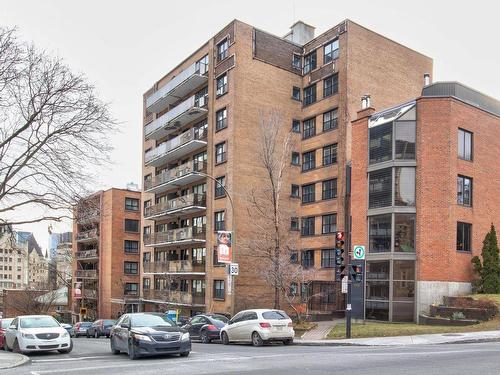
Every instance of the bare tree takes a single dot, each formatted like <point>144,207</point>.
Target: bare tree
<point>30,301</point>
<point>53,133</point>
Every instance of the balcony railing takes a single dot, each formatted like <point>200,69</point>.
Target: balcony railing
<point>186,204</point>
<point>174,236</point>
<point>87,236</point>
<point>189,110</point>
<point>186,81</point>
<point>86,274</point>
<point>177,147</point>
<point>87,254</point>
<point>174,266</point>
<point>175,297</point>
<point>178,176</point>
<point>90,216</point>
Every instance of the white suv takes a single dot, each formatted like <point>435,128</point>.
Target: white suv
<point>34,333</point>
<point>258,326</point>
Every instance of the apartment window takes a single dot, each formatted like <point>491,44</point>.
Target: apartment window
<point>146,283</point>
<point>221,119</point>
<point>295,191</point>
<point>294,223</point>
<point>331,51</point>
<point>132,204</point>
<point>307,228</point>
<point>464,236</point>
<point>131,288</point>
<point>404,140</point>
<point>380,188</point>
<point>219,221</point>
<point>330,85</point>
<point>294,257</point>
<point>222,84</point>
<point>296,93</point>
<point>131,225</point>
<point>297,62</point>
<point>215,259</point>
<point>464,191</point>
<point>219,289</point>
<point>309,128</point>
<point>308,160</point>
<point>220,153</point>
<point>380,147</point>
<point>330,154</point>
<point>131,246</point>
<point>202,65</point>
<point>329,224</point>
<point>294,289</point>
<point>146,231</point>
<point>220,184</point>
<point>310,94</point>
<point>307,258</point>
<point>329,189</point>
<point>222,49</point>
<point>464,144</point>
<point>330,120</point>
<point>296,126</point>
<point>201,97</point>
<point>308,193</point>
<point>309,62</point>
<point>328,258</point>
<point>131,268</point>
<point>295,158</point>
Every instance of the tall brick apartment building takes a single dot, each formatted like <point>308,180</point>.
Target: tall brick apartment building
<point>425,190</point>
<point>203,116</point>
<point>106,255</point>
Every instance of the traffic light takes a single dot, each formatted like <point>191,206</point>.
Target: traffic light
<point>339,256</point>
<point>83,311</point>
<point>356,272</point>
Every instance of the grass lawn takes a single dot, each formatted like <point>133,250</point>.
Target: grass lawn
<point>375,329</point>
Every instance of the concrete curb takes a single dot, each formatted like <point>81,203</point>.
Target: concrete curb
<point>11,360</point>
<point>337,343</point>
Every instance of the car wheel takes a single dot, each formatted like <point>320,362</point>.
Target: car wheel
<point>256,339</point>
<point>131,351</point>
<point>204,338</point>
<point>184,354</point>
<point>67,350</point>
<point>96,335</point>
<point>107,336</point>
<point>224,338</point>
<point>16,348</point>
<point>113,348</point>
<point>288,342</point>
<point>87,334</point>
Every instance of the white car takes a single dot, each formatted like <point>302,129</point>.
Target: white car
<point>34,333</point>
<point>258,326</point>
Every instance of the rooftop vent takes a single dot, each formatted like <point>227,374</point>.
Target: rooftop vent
<point>300,33</point>
<point>132,186</point>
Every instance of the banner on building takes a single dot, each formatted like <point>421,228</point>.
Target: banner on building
<point>77,290</point>
<point>224,247</point>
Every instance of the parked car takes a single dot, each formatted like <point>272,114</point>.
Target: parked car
<point>182,320</point>
<point>4,323</point>
<point>147,334</point>
<point>100,327</point>
<point>69,328</point>
<point>34,333</point>
<point>81,328</point>
<point>206,327</point>
<point>258,327</point>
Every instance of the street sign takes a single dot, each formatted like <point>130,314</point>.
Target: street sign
<point>234,269</point>
<point>359,252</point>
<point>344,284</point>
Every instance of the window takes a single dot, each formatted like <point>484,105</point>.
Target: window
<point>131,268</point>
<point>464,144</point>
<point>464,191</point>
<point>330,85</point>
<point>222,48</point>
<point>294,289</point>
<point>310,94</point>
<point>295,192</point>
<point>330,120</point>
<point>132,204</point>
<point>329,189</point>
<point>201,97</point>
<point>380,188</point>
<point>329,224</point>
<point>295,158</point>
<point>308,160</point>
<point>222,84</point>
<point>215,259</point>
<point>330,154</point>
<point>380,143</point>
<point>220,184</point>
<point>146,230</point>
<point>404,233</point>
<point>131,288</point>
<point>296,93</point>
<point>404,186</point>
<point>296,126</point>
<point>404,140</point>
<point>131,225</point>
<point>294,223</point>
<point>297,62</point>
<point>220,153</point>
<point>219,221</point>
<point>221,119</point>
<point>146,283</point>
<point>307,258</point>
<point>219,289</point>
<point>328,258</point>
<point>308,193</point>
<point>202,65</point>
<point>309,62</point>
<point>309,128</point>
<point>331,51</point>
<point>131,246</point>
<point>380,234</point>
<point>464,236</point>
<point>294,257</point>
<point>307,228</point>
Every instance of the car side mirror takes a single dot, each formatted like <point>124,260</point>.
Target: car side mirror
<point>229,323</point>
<point>12,327</point>
<point>125,325</point>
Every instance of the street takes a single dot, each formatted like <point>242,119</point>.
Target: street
<point>92,356</point>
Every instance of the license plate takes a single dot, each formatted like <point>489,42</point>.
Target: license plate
<point>279,328</point>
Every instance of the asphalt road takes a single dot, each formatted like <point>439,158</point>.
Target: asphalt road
<point>93,357</point>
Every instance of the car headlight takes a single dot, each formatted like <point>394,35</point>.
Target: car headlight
<point>141,337</point>
<point>28,336</point>
<point>185,336</point>
<point>65,334</point>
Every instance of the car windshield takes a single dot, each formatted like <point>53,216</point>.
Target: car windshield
<point>39,322</point>
<point>149,320</point>
<point>6,323</point>
<point>220,318</point>
<point>278,315</point>
<point>85,324</point>
<point>108,322</point>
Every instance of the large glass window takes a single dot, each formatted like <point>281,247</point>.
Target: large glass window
<point>329,189</point>
<point>310,94</point>
<point>403,291</point>
<point>309,128</point>
<point>404,233</point>
<point>330,120</point>
<point>464,144</point>
<point>330,154</point>
<point>381,143</point>
<point>131,225</point>
<point>464,236</point>
<point>464,190</point>
<point>331,51</point>
<point>308,193</point>
<point>131,268</point>
<point>328,258</point>
<point>307,228</point>
<point>404,139</point>
<point>307,258</point>
<point>308,160</point>
<point>131,246</point>
<point>132,204</point>
<point>377,290</point>
<point>404,186</point>
<point>310,62</point>
<point>331,85</point>
<point>380,234</point>
<point>329,224</point>
<point>380,188</point>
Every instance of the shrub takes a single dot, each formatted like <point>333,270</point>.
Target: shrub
<point>489,269</point>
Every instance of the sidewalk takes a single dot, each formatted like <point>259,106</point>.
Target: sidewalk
<point>444,338</point>
<point>320,331</point>
<point>9,360</point>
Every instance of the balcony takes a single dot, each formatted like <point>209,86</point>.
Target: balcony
<point>175,297</point>
<point>87,236</point>
<point>86,274</point>
<point>186,204</point>
<point>189,110</point>
<point>87,255</point>
<point>178,236</point>
<point>88,217</point>
<point>174,267</point>
<point>179,176</point>
<point>185,82</point>
<point>182,145</point>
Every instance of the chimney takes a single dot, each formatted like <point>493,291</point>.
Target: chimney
<point>300,33</point>
<point>365,101</point>
<point>427,79</point>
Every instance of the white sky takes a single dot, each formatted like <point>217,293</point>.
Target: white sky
<point>125,46</point>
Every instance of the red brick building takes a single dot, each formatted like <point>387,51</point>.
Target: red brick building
<point>425,190</point>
